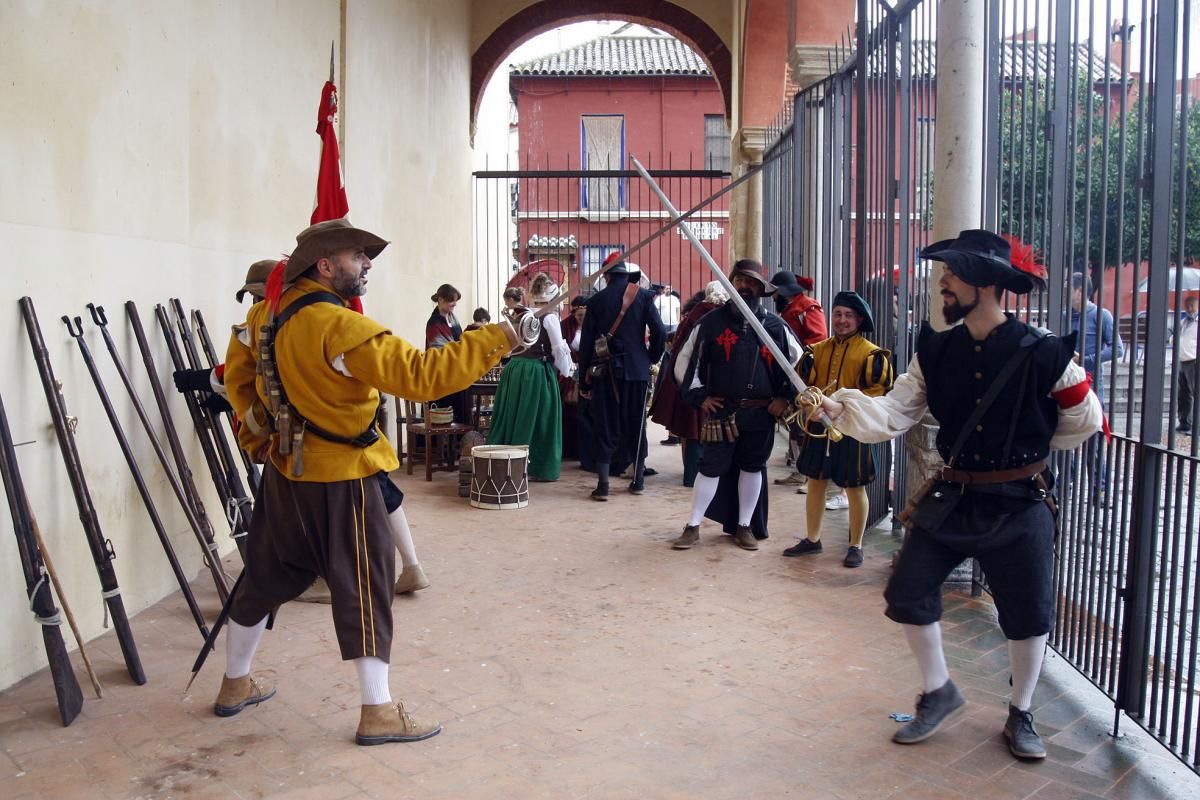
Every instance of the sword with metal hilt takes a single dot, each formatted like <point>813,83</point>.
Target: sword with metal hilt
<point>806,396</point>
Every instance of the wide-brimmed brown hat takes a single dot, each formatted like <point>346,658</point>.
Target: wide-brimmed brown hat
<point>753,269</point>
<point>256,279</point>
<point>318,241</point>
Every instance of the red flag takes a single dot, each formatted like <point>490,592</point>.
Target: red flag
<point>331,193</point>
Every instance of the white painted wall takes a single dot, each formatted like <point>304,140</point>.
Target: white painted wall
<point>154,150</point>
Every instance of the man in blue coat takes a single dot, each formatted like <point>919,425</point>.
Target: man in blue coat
<point>622,335</point>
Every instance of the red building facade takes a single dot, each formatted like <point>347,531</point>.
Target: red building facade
<point>587,110</point>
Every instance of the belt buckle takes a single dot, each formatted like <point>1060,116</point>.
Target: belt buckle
<point>1040,494</point>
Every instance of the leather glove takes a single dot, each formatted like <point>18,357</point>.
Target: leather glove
<point>217,404</point>
<point>193,380</point>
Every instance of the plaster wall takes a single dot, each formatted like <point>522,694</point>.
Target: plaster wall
<point>154,150</point>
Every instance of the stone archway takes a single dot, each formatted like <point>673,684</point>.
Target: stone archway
<point>549,14</point>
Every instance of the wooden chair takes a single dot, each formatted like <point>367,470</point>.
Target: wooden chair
<point>440,438</point>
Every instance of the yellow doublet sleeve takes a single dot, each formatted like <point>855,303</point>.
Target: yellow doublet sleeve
<point>394,366</point>
<point>240,376</point>
<point>877,373</point>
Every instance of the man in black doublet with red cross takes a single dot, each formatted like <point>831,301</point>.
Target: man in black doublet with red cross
<point>724,370</point>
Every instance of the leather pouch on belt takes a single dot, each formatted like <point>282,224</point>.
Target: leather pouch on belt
<point>930,507</point>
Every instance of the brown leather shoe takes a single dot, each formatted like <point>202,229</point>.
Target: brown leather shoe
<point>412,579</point>
<point>389,722</point>
<point>744,537</point>
<point>689,537</point>
<point>237,693</point>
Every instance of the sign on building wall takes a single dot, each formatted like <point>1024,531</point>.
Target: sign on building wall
<point>706,231</point>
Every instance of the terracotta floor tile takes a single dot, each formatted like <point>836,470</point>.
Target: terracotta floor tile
<point>570,653</point>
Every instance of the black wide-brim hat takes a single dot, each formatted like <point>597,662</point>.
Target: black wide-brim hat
<point>753,269</point>
<point>981,258</point>
<point>320,240</point>
<point>854,302</point>
<point>785,283</point>
<point>620,266</point>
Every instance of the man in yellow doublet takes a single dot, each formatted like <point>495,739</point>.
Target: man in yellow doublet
<point>845,360</point>
<point>322,507</point>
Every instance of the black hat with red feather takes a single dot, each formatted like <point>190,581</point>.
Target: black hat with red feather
<point>981,258</point>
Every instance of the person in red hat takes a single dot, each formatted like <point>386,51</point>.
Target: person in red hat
<point>1005,394</point>
<point>730,375</point>
<point>806,318</point>
<point>322,509</point>
<point>622,335</point>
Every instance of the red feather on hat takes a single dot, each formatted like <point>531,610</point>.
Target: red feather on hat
<point>613,258</point>
<point>1024,258</point>
<point>805,282</point>
<point>274,288</point>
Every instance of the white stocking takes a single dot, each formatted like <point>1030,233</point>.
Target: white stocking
<point>240,644</point>
<point>402,536</point>
<point>1025,657</point>
<point>749,485</point>
<point>703,493</point>
<point>373,680</point>
<point>925,641</point>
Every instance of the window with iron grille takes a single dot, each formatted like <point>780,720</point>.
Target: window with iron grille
<point>603,148</point>
<point>594,255</point>
<point>716,142</point>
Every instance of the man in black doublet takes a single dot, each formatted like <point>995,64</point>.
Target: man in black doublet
<point>1004,394</point>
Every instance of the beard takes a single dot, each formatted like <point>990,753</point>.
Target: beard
<point>348,285</point>
<point>953,312</point>
<point>750,296</point>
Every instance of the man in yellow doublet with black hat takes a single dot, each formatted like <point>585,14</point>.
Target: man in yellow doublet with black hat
<point>845,360</point>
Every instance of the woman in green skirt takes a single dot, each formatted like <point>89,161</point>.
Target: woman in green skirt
<point>528,407</point>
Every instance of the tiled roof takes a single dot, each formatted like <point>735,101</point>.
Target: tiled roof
<point>618,55</point>
<point>1019,61</point>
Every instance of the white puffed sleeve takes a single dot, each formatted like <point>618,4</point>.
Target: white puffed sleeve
<point>879,419</point>
<point>1079,418</point>
<point>559,349</point>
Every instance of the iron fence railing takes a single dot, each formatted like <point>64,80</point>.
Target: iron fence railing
<point>564,220</point>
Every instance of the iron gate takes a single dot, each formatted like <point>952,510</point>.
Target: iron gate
<point>1090,126</point>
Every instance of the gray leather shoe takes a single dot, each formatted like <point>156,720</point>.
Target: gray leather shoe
<point>934,709</point>
<point>687,539</point>
<point>1023,739</point>
<point>744,537</point>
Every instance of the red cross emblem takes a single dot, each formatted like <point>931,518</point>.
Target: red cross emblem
<point>765,352</point>
<point>727,340</point>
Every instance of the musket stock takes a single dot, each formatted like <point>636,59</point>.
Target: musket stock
<point>37,588</point>
<point>75,328</point>
<point>101,548</point>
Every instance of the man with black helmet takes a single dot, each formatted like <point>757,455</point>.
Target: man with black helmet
<point>621,336</point>
<point>723,369</point>
<point>321,509</point>
<point>1005,394</point>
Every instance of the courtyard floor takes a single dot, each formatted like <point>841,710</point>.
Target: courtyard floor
<point>570,653</point>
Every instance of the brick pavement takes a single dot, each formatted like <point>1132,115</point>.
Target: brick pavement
<point>570,654</point>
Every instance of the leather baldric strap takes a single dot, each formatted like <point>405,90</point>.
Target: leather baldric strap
<point>968,477</point>
<point>630,293</point>
<point>369,436</point>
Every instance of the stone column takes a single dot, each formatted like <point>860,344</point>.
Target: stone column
<point>957,181</point>
<point>810,64</point>
<point>749,145</point>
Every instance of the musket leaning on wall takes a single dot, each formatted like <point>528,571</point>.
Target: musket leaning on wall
<point>253,475</point>
<point>209,433</point>
<point>75,328</point>
<point>102,549</point>
<point>37,588</point>
<point>182,482</point>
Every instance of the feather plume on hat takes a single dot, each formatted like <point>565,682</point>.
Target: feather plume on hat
<point>1024,258</point>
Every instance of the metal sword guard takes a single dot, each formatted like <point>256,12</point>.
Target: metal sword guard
<point>527,325</point>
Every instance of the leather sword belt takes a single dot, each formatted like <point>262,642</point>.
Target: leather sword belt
<point>755,403</point>
<point>968,477</point>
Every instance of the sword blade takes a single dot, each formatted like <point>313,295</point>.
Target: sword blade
<point>781,359</point>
